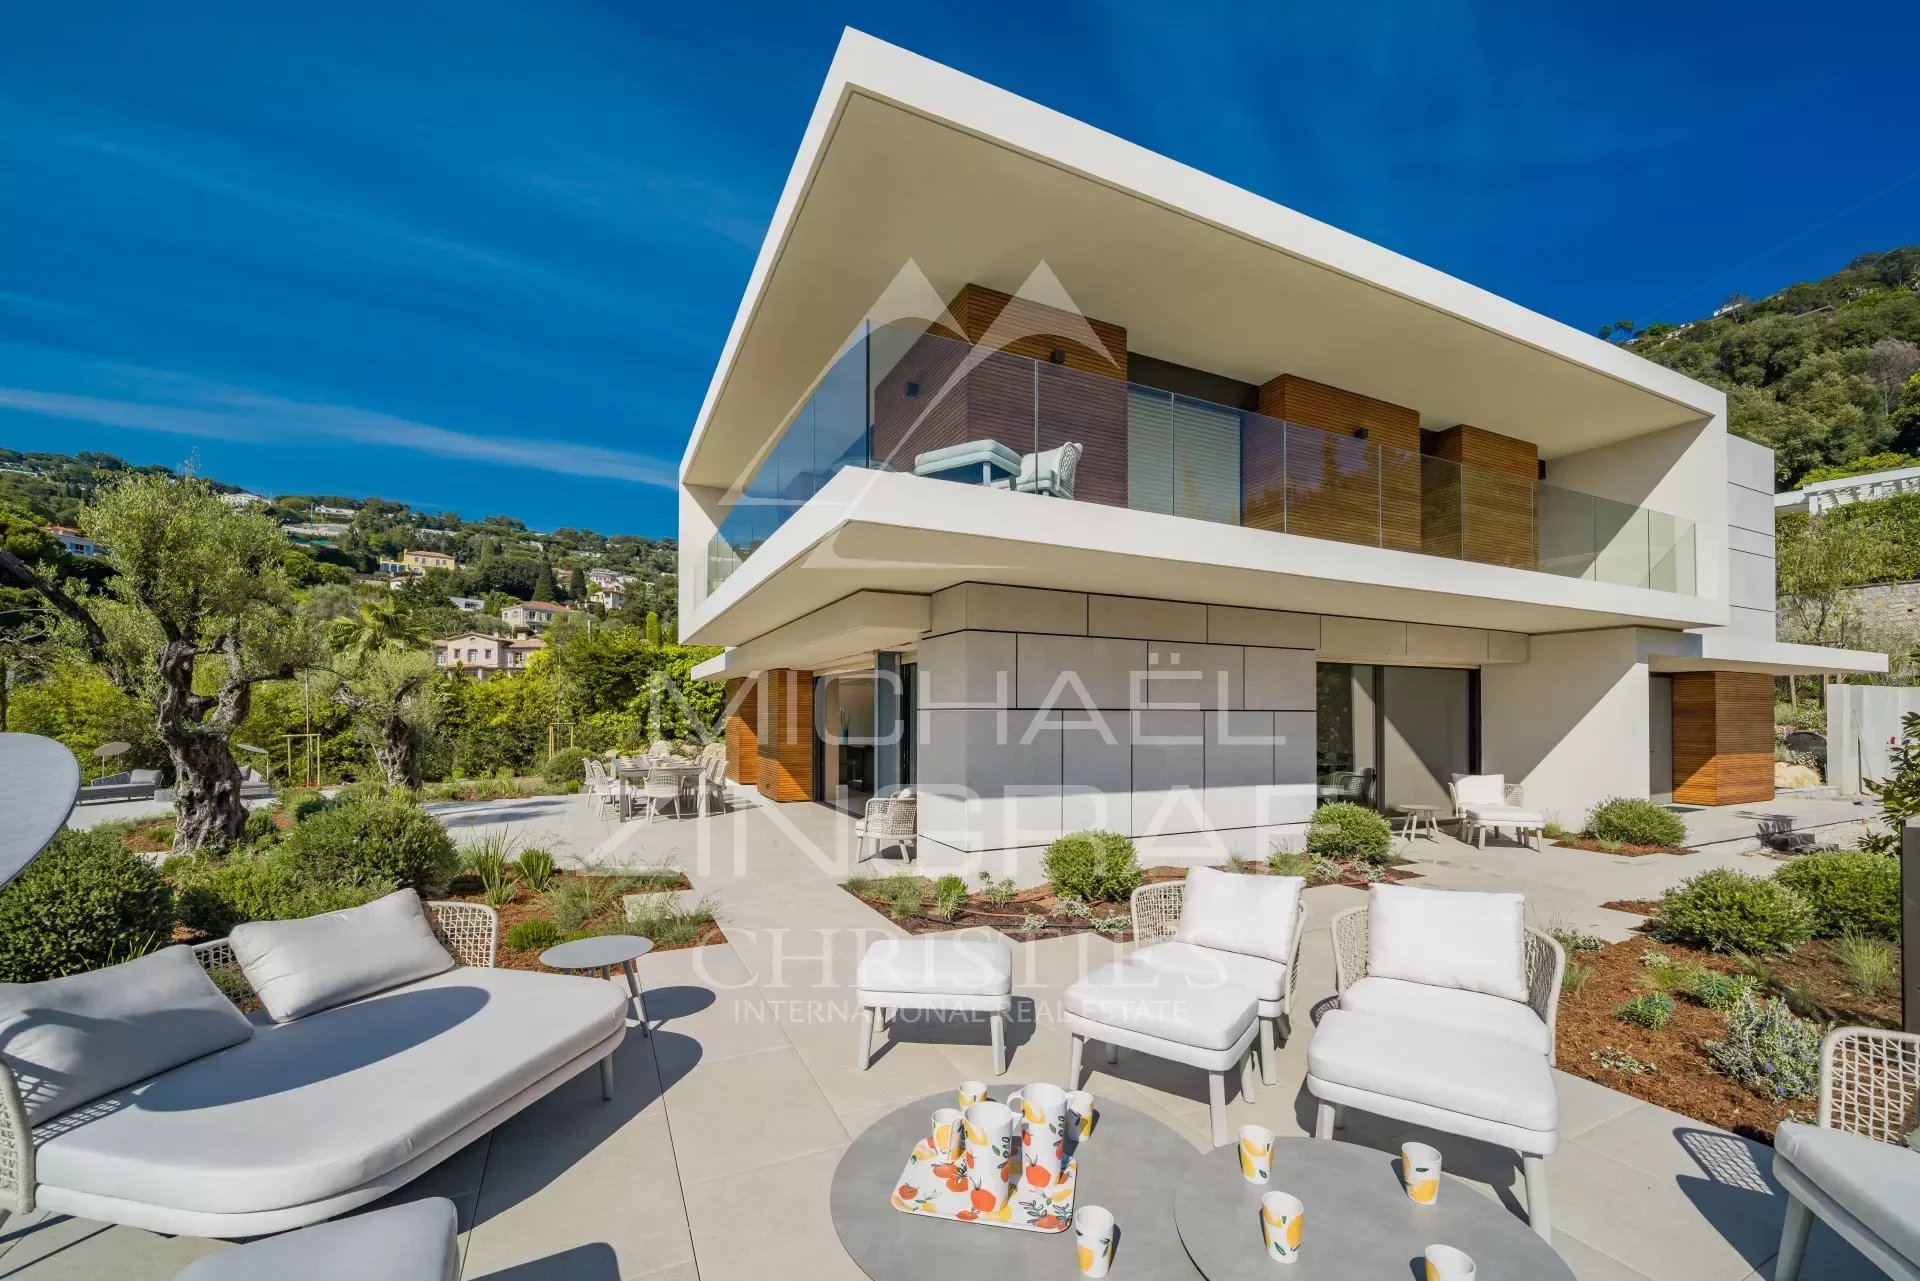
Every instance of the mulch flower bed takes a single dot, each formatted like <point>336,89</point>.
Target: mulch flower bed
<point>1683,1078</point>
<point>1642,906</point>
<point>1588,843</point>
<point>527,906</point>
<point>1391,874</point>
<point>1009,916</point>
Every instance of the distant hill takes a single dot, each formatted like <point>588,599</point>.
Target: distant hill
<point>1824,372</point>
<point>497,554</point>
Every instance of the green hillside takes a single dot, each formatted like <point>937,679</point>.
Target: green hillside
<point>1825,373</point>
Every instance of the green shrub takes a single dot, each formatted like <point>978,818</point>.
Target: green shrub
<point>1632,820</point>
<point>903,896</point>
<point>86,902</point>
<point>1728,911</point>
<point>1721,992</point>
<point>1649,1009</point>
<point>1344,830</point>
<point>302,803</point>
<point>575,900</point>
<point>997,893</point>
<point>1286,862</point>
<point>535,869</point>
<point>261,827</point>
<point>535,934</point>
<point>568,765</point>
<point>387,839</point>
<point>949,896</point>
<point>1099,867</point>
<point>1872,964</point>
<point>671,926</point>
<point>274,884</point>
<point>1847,889</point>
<point>1768,1048</point>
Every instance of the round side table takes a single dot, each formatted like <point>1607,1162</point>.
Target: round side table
<point>1359,1221</point>
<point>602,953</point>
<point>1416,818</point>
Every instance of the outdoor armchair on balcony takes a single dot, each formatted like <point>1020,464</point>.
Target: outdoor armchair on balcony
<point>1488,803</point>
<point>1857,1170</point>
<point>889,820</point>
<point>1447,1007</point>
<point>1049,473</point>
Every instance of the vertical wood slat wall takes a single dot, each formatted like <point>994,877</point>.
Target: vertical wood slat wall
<point>1722,738</point>
<point>743,730</point>
<point>1337,486</point>
<point>1485,506</point>
<point>785,770</point>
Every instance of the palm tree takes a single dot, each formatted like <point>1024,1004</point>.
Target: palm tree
<point>379,624</point>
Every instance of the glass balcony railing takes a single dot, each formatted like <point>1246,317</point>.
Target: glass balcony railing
<point>913,402</point>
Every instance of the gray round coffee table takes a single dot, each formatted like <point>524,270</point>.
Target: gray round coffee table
<point>1127,1165</point>
<point>603,952</point>
<point>1359,1222</point>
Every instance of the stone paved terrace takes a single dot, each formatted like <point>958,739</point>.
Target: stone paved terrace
<point>744,1098</point>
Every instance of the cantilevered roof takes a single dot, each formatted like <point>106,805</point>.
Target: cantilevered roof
<point>913,180</point>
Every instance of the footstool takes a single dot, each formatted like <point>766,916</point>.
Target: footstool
<point>411,1242</point>
<point>1494,817</point>
<point>1209,1025</point>
<point>961,975</point>
<point>1452,1079</point>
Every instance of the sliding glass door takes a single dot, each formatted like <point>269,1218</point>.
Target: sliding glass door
<point>1394,736</point>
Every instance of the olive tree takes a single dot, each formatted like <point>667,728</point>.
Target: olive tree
<point>395,698</point>
<point>196,613</point>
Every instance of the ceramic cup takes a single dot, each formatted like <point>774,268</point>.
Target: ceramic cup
<point>1256,1153</point>
<point>1093,1234</point>
<point>946,1135</point>
<point>1420,1171</point>
<point>1280,1225</point>
<point>970,1093</point>
<point>1043,1132</point>
<point>1080,1113</point>
<point>991,1164</point>
<point>1444,1263</point>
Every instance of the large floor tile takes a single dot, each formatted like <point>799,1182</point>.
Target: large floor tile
<point>1717,1171</point>
<point>55,1247</point>
<point>1590,1264</point>
<point>1585,1104</point>
<point>747,1112</point>
<point>772,1222</point>
<point>1647,1223</point>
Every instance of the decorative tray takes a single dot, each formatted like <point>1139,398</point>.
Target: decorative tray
<point>928,1185</point>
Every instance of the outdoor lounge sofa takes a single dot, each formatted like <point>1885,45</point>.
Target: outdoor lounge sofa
<point>141,1095</point>
<point>127,785</point>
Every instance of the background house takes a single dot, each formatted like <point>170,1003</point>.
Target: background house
<point>486,655</point>
<point>75,543</point>
<point>533,615</point>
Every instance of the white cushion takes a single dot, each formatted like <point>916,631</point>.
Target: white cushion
<point>1504,816</point>
<point>1252,915</point>
<point>1479,789</point>
<point>1877,1183</point>
<point>1267,980</point>
<point>1446,1068</point>
<point>73,1039</point>
<point>1449,938</point>
<point>302,967</point>
<point>951,967</point>
<point>308,1110</point>
<point>417,1241</point>
<point>1169,1006</point>
<point>1469,1011</point>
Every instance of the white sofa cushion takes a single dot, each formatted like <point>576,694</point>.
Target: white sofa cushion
<point>1267,980</point>
<point>1169,1006</point>
<point>415,1241</point>
<point>1479,789</point>
<point>951,967</point>
<point>71,1040</point>
<point>1451,1069</point>
<point>1877,1183</point>
<point>1469,1011</point>
<point>1449,938</point>
<point>311,1109</point>
<point>1505,815</point>
<point>1252,915</point>
<point>302,967</point>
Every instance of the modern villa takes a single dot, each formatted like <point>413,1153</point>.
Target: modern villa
<point>1077,489</point>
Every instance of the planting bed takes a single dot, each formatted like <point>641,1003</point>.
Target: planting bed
<point>527,906</point>
<point>1591,845</point>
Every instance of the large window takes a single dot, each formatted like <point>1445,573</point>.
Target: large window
<point>1394,736</point>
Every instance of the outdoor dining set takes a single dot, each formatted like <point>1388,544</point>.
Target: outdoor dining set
<point>658,781</point>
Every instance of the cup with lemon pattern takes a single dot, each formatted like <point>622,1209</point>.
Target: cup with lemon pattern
<point>1093,1237</point>
<point>1420,1170</point>
<point>1281,1214</point>
<point>970,1093</point>
<point>1079,1113</point>
<point>1444,1263</point>
<point>1256,1153</point>
<point>946,1135</point>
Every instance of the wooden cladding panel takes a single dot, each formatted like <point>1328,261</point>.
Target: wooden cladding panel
<point>743,730</point>
<point>1722,738</point>
<point>1032,329</point>
<point>1491,518</point>
<point>785,772</point>
<point>1337,486</point>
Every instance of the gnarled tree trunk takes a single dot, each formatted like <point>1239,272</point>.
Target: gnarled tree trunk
<point>395,752</point>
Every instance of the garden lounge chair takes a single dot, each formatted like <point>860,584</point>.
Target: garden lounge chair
<point>888,820</point>
<point>1206,942</point>
<point>140,1095</point>
<point>128,785</point>
<point>1447,1005</point>
<point>1857,1170</point>
<point>1488,803</point>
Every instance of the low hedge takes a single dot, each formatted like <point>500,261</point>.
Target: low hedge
<point>1847,889</point>
<point>1728,911</point>
<point>274,884</point>
<point>379,838</point>
<point>1096,867</point>
<point>85,903</point>
<point>1634,820</point>
<point>1344,830</point>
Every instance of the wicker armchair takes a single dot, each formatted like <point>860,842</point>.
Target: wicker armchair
<point>661,787</point>
<point>888,819</point>
<point>1546,962</point>
<point>1477,820</point>
<point>1870,1088</point>
<point>1156,917</point>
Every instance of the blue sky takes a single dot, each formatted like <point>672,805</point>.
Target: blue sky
<point>482,256</point>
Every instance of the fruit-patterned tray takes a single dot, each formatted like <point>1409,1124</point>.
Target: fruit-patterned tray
<point>929,1185</point>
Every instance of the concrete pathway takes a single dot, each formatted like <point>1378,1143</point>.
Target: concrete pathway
<point>742,1101</point>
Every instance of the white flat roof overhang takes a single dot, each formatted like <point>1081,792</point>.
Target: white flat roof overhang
<point>913,180</point>
<point>891,532</point>
<point>861,623</point>
<point>1725,652</point>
